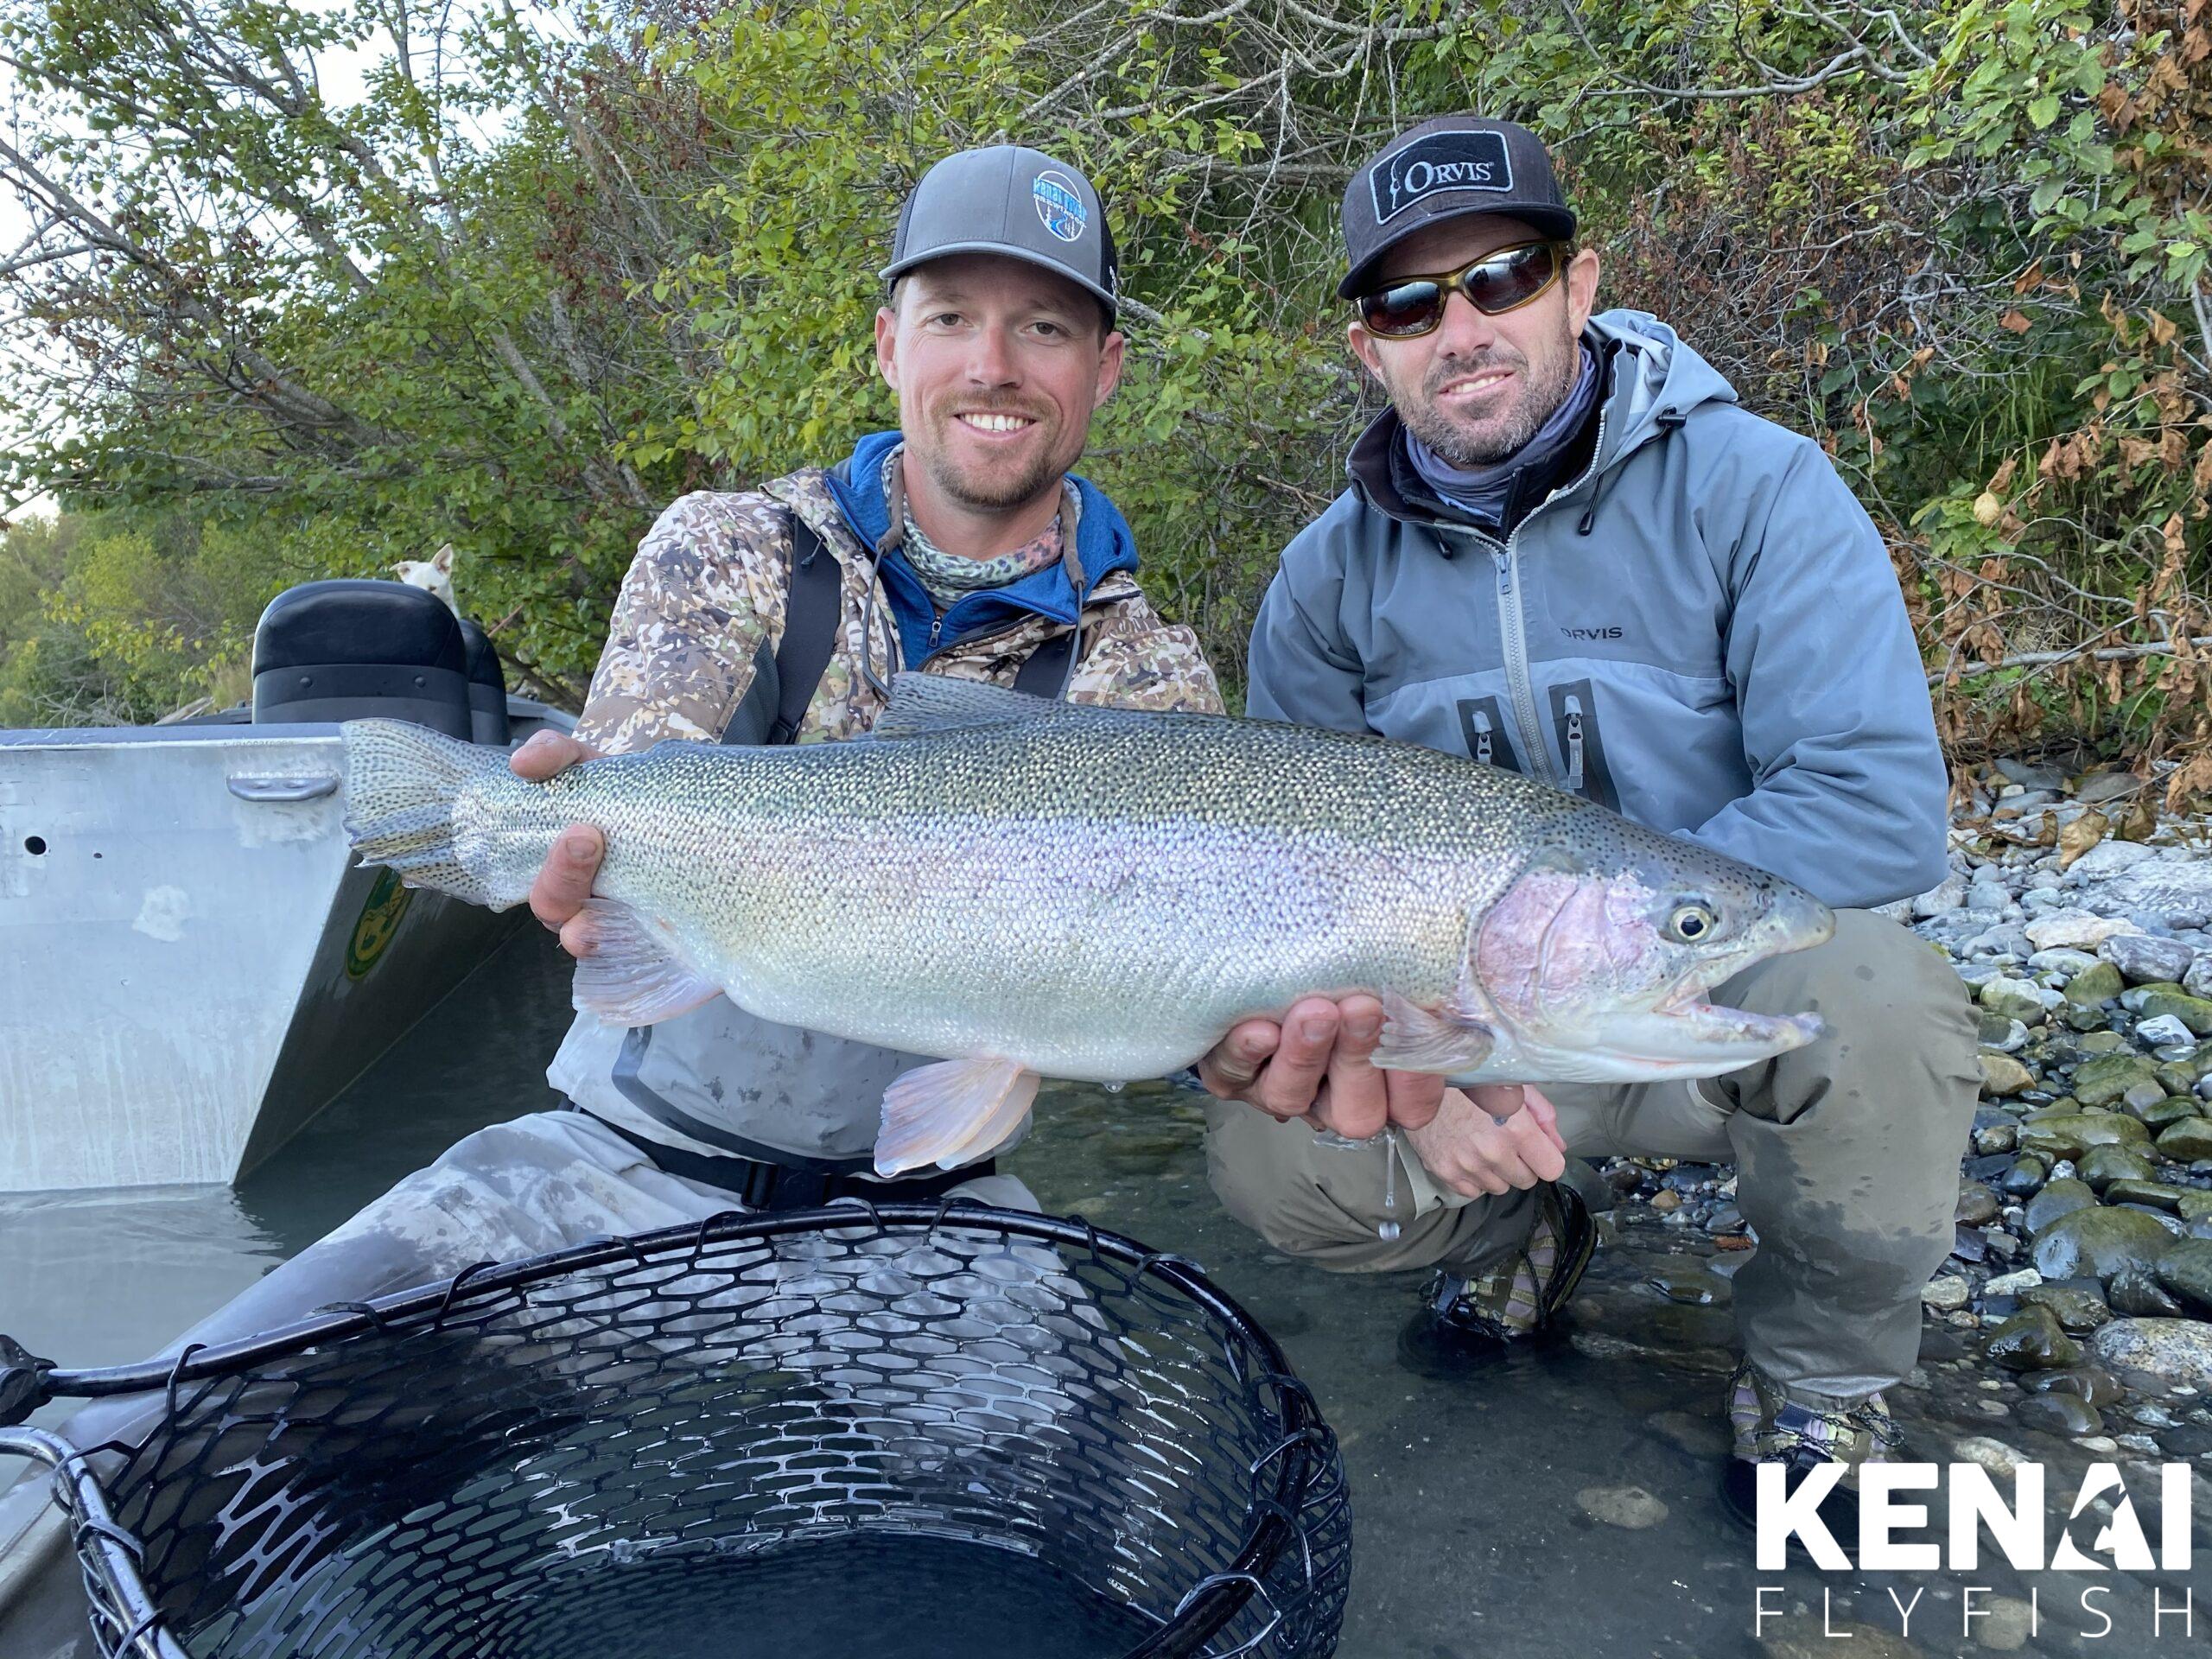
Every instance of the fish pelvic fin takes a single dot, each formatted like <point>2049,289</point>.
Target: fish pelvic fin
<point>1445,1041</point>
<point>632,976</point>
<point>401,781</point>
<point>952,1113</point>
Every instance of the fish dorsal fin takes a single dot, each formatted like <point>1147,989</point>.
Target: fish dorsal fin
<point>922,703</point>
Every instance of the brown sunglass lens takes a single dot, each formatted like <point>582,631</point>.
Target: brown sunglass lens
<point>1501,284</point>
<point>1408,308</point>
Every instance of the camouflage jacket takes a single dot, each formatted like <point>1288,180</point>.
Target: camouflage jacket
<point>706,595</point>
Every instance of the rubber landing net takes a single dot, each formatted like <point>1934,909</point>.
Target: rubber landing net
<point>681,1444</point>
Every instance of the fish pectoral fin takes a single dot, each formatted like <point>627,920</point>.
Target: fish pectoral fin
<point>1443,1040</point>
<point>631,977</point>
<point>952,1113</point>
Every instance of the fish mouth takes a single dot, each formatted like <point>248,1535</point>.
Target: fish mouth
<point>1687,1007</point>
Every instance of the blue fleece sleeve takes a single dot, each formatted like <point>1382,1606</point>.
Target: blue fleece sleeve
<point>1849,798</point>
<point>1300,667</point>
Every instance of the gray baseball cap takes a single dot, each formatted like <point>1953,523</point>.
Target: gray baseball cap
<point>1453,167</point>
<point>1010,200</point>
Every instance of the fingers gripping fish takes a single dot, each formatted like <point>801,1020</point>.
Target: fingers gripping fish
<point>1032,888</point>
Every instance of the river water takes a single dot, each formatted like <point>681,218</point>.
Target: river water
<point>1558,1505</point>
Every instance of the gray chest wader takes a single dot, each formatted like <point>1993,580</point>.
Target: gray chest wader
<point>810,1101</point>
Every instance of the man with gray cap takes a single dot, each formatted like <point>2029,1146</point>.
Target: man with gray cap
<point>1567,549</point>
<point>959,544</point>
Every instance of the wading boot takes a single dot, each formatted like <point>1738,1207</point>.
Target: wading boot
<point>1469,1317</point>
<point>1800,1432</point>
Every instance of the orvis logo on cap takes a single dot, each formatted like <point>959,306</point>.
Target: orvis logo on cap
<point>1059,204</point>
<point>1443,161</point>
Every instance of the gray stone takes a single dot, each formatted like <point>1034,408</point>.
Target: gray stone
<point>2098,787</point>
<point>2098,1244</point>
<point>2178,1350</point>
<point>2185,1269</point>
<point>1813,1635</point>
<point>1629,1507</point>
<point>1996,1138</point>
<point>2023,776</point>
<point>2155,1193</point>
<point>2073,930</point>
<point>2058,1413</point>
<point>2137,1291</point>
<point>2141,1096</point>
<point>2169,1111</point>
<point>1945,1296</point>
<point>2194,1011</point>
<point>2141,957</point>
<point>2014,999</point>
<point>2057,1200</point>
<point>2134,996</point>
<point>2197,982</point>
<point>2161,1031</point>
<point>2093,987</point>
<point>2110,858</point>
<point>2071,1133</point>
<point>2064,962</point>
<point>1946,895</point>
<point>1976,1204</point>
<point>2012,1284</point>
<point>2186,1140</point>
<point>2011,1622</point>
<point>2102,1166</point>
<point>2031,1341</point>
<point>1700,1434</point>
<point>2078,1310</point>
<point>2105,1079</point>
<point>2003,1075</point>
<point>2026,1176</point>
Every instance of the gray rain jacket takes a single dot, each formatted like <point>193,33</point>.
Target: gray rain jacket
<point>1702,631</point>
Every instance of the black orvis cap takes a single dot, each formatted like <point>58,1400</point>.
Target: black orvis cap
<point>1010,200</point>
<point>1453,167</point>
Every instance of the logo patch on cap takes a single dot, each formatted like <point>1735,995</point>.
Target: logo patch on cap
<point>1441,162</point>
<point>1059,204</point>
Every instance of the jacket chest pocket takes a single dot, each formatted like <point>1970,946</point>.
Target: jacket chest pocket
<point>1578,735</point>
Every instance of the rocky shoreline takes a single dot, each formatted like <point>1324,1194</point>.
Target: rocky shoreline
<point>2078,1297</point>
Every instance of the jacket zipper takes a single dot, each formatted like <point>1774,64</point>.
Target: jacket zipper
<point>1574,745</point>
<point>1512,622</point>
<point>1513,633</point>
<point>1482,736</point>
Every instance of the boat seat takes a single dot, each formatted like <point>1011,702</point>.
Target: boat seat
<point>345,649</point>
<point>487,686</point>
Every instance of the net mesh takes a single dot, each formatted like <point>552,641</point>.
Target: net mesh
<point>561,1460</point>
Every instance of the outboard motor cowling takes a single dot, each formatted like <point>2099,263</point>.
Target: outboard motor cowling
<point>487,686</point>
<point>346,649</point>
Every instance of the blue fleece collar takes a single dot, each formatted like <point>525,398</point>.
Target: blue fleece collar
<point>1103,544</point>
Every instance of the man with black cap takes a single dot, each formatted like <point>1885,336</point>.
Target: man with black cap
<point>959,544</point>
<point>1566,549</point>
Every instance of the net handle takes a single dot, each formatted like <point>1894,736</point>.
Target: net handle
<point>1219,1580</point>
<point>110,1557</point>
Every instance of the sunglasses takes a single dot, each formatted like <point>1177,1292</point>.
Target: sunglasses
<point>1494,284</point>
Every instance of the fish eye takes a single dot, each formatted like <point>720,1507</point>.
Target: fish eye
<point>1692,923</point>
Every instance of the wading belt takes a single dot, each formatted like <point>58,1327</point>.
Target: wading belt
<point>763,1184</point>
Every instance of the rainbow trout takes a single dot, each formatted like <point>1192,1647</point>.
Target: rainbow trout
<point>1032,888</point>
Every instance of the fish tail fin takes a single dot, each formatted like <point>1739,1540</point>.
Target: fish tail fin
<point>401,781</point>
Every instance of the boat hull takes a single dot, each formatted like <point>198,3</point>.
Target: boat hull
<point>191,966</point>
